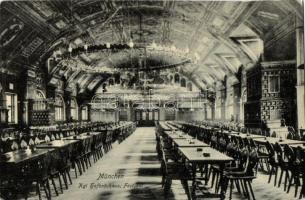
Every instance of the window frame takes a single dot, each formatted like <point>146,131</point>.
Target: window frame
<point>269,83</point>
<point>59,109</point>
<point>40,101</point>
<point>12,117</point>
<point>74,109</point>
<point>84,117</point>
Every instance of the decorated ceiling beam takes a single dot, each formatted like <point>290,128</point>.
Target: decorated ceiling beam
<point>21,10</point>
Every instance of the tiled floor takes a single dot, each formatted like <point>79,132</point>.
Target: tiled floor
<point>135,160</point>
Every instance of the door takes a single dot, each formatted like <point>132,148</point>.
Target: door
<point>146,117</point>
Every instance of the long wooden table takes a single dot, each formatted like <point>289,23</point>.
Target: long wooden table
<point>189,143</point>
<point>206,156</point>
<point>243,135</point>
<point>78,137</point>
<point>166,127</point>
<point>174,124</point>
<point>273,140</point>
<point>302,146</point>
<point>195,156</point>
<point>260,139</point>
<point>56,144</point>
<point>177,135</point>
<point>93,133</point>
<point>22,155</point>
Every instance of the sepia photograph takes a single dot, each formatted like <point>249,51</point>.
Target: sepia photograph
<point>152,100</point>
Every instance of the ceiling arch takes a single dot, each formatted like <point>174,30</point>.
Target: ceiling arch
<point>221,36</point>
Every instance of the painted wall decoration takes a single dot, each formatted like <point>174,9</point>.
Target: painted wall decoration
<point>274,82</point>
<point>43,8</point>
<point>89,9</point>
<point>11,32</point>
<point>94,83</point>
<point>30,49</point>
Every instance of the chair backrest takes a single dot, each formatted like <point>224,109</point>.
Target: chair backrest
<point>213,141</point>
<point>289,153</point>
<point>232,150</point>
<point>273,134</point>
<point>222,144</point>
<point>253,131</point>
<point>301,157</point>
<point>23,144</point>
<point>252,143</point>
<point>246,142</point>
<point>248,161</point>
<point>259,132</point>
<point>279,152</point>
<point>271,153</point>
<point>252,163</point>
<point>290,136</point>
<point>164,164</point>
<point>241,143</point>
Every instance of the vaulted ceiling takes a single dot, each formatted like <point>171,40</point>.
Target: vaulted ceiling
<point>221,36</point>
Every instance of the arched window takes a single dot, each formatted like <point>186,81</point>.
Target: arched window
<point>84,113</point>
<point>59,108</point>
<point>183,82</point>
<point>74,109</point>
<point>171,79</point>
<point>190,86</point>
<point>111,81</point>
<point>40,101</point>
<point>177,78</point>
<point>11,105</point>
<point>39,94</point>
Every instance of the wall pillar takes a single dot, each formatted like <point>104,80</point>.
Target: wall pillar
<point>67,99</point>
<point>213,110</point>
<point>51,108</point>
<point>25,115</point>
<point>3,110</point>
<point>205,112</point>
<point>300,74</point>
<point>89,112</point>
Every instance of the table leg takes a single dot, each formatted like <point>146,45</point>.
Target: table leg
<point>206,174</point>
<point>221,182</point>
<point>194,166</point>
<point>186,188</point>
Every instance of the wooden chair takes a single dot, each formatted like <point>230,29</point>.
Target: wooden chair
<point>245,176</point>
<point>36,171</point>
<point>295,168</point>
<point>301,157</point>
<point>283,164</point>
<point>97,147</point>
<point>273,162</point>
<point>174,171</point>
<point>261,152</point>
<point>232,150</point>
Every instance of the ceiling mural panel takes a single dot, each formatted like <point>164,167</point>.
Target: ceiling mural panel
<point>42,8</point>
<point>267,16</point>
<point>11,30</point>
